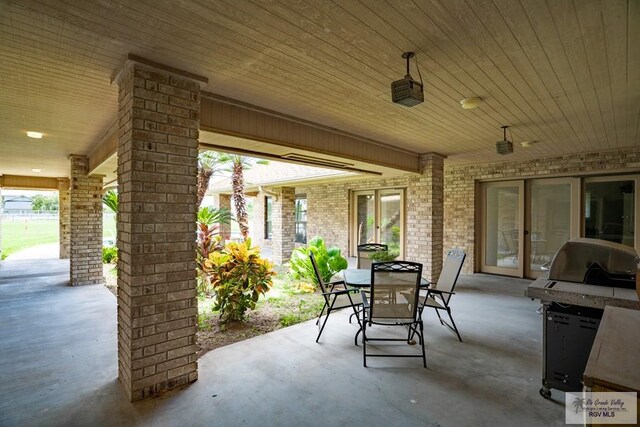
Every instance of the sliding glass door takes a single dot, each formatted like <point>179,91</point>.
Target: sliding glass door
<point>524,223</point>
<point>378,217</point>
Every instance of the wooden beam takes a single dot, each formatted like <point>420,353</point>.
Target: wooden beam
<point>23,182</point>
<point>235,118</point>
<point>107,147</point>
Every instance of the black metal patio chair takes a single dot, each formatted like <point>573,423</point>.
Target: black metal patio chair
<point>393,301</point>
<point>439,297</point>
<point>365,250</point>
<point>334,299</point>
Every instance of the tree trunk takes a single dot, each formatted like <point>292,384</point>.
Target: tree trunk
<point>237,183</point>
<point>204,175</point>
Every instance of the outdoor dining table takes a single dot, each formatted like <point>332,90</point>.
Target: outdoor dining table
<point>361,278</point>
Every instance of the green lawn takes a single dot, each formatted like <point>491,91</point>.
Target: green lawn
<point>22,234</point>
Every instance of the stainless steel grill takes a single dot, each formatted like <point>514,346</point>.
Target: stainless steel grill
<point>585,276</point>
<point>595,262</point>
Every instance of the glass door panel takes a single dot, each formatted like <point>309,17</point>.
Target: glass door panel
<point>365,212</point>
<point>553,219</point>
<point>609,210</point>
<point>503,217</point>
<point>391,219</point>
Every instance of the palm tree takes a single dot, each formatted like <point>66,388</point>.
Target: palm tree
<point>209,163</point>
<point>238,165</point>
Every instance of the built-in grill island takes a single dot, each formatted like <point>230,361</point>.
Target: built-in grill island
<point>585,276</point>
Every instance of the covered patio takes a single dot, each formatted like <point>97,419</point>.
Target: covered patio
<point>55,337</point>
<point>127,94</point>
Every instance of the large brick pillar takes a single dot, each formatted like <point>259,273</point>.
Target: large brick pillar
<point>85,224</point>
<point>284,225</point>
<point>64,217</point>
<point>157,174</point>
<point>425,216</point>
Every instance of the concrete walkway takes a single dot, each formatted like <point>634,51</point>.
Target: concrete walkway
<point>48,251</point>
<point>58,364</point>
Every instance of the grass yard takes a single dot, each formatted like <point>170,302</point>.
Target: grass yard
<point>23,234</point>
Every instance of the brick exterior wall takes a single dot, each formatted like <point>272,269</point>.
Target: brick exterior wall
<point>283,226</point>
<point>257,223</point>
<point>64,217</point>
<point>328,207</point>
<point>223,201</point>
<point>157,172</point>
<point>85,219</point>
<point>461,204</point>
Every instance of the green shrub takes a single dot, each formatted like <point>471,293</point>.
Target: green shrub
<point>109,255</point>
<point>382,256</point>
<point>238,276</point>
<point>329,261</point>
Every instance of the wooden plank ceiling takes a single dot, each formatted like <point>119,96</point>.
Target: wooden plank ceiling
<point>563,73</point>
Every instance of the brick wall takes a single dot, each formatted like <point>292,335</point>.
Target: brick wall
<point>157,172</point>
<point>461,205</point>
<point>85,219</point>
<point>64,212</point>
<point>223,201</point>
<point>284,232</point>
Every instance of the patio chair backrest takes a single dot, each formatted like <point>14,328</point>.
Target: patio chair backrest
<point>365,250</point>
<point>450,272</point>
<point>394,290</point>
<point>316,270</point>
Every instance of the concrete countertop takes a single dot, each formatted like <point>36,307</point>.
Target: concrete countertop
<point>580,294</point>
<point>614,362</point>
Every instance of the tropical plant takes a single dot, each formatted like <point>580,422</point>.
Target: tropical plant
<point>209,163</point>
<point>330,261</point>
<point>110,200</point>
<point>210,216</point>
<point>239,276</point>
<point>109,255</point>
<point>208,240</point>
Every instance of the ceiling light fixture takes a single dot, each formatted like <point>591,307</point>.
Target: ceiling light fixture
<point>505,146</point>
<point>527,144</point>
<point>36,135</point>
<point>407,91</point>
<point>37,170</point>
<point>470,103</point>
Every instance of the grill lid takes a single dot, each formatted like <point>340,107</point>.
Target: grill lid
<point>594,261</point>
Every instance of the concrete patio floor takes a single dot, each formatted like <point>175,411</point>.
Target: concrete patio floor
<point>58,364</point>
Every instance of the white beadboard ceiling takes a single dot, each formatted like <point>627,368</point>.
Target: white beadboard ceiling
<point>563,73</point>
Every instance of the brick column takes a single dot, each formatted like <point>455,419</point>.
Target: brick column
<point>64,215</point>
<point>425,216</point>
<point>283,226</point>
<point>85,224</point>
<point>157,174</point>
<point>223,201</point>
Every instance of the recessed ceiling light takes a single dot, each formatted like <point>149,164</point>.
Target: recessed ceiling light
<point>37,170</point>
<point>36,135</point>
<point>527,144</point>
